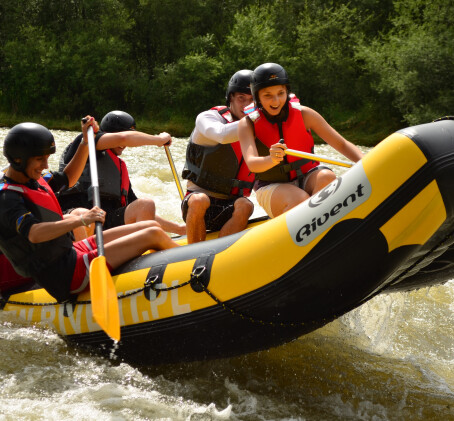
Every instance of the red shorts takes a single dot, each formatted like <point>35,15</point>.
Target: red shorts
<point>86,251</point>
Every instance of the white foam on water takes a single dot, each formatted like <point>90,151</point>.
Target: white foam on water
<point>43,379</point>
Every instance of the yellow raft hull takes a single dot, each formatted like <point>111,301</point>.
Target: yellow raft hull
<point>374,228</point>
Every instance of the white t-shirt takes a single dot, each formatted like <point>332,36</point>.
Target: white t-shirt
<point>212,129</point>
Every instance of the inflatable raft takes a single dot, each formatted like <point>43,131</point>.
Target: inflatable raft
<point>375,228</point>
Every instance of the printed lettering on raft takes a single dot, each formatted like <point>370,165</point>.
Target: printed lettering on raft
<point>308,229</point>
<point>314,216</point>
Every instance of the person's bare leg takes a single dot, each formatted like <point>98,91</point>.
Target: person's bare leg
<point>286,197</point>
<point>243,209</point>
<point>170,226</point>
<point>123,230</point>
<point>144,210</point>
<point>318,180</point>
<point>140,210</point>
<point>125,248</point>
<point>198,204</point>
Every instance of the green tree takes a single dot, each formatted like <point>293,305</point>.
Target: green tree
<point>253,40</point>
<point>189,86</point>
<point>164,31</point>
<point>414,61</point>
<point>77,63</point>
<point>327,75</point>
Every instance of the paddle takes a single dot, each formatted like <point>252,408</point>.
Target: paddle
<point>320,158</point>
<point>104,300</point>
<point>174,172</point>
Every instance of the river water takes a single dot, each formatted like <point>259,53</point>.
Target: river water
<point>391,359</point>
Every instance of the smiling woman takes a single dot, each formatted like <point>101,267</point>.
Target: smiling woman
<point>273,98</point>
<point>276,124</point>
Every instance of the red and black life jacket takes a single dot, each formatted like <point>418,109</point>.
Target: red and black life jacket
<point>295,135</point>
<point>31,259</point>
<point>220,168</point>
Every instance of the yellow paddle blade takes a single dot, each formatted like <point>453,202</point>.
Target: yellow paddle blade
<point>104,300</point>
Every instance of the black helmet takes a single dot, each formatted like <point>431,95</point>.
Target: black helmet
<point>268,74</point>
<point>117,121</point>
<point>239,82</point>
<point>26,140</point>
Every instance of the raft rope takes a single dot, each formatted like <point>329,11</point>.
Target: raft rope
<point>446,117</point>
<point>196,278</point>
<point>197,272</point>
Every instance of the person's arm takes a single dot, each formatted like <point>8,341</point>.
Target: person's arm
<point>16,217</point>
<point>255,162</point>
<point>132,139</point>
<point>77,164</point>
<point>210,125</point>
<point>314,121</point>
<point>46,231</point>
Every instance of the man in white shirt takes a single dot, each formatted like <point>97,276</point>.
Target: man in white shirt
<point>218,179</point>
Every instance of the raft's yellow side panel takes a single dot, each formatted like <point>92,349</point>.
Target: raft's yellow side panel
<point>409,225</point>
<point>387,169</point>
<point>35,296</point>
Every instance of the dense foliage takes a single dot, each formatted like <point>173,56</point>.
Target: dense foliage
<point>157,59</point>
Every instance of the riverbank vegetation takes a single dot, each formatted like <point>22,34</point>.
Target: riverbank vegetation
<point>369,66</point>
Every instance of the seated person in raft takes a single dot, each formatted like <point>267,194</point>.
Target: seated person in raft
<point>34,234</point>
<point>219,181</point>
<point>282,182</point>
<point>116,132</point>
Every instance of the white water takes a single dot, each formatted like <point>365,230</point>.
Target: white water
<point>391,359</point>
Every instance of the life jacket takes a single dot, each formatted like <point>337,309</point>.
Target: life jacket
<point>295,136</point>
<point>113,176</point>
<point>220,168</point>
<point>30,259</point>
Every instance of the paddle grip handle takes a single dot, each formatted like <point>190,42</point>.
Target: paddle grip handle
<point>98,225</point>
<point>282,141</point>
<point>99,233</point>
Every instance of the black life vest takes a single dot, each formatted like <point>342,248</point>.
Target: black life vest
<point>220,168</point>
<point>113,175</point>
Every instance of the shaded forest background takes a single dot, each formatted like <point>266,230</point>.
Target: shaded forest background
<point>371,66</point>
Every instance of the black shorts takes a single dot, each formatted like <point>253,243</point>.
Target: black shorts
<point>114,218</point>
<point>219,212</point>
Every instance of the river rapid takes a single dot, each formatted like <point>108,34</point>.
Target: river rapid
<point>390,359</point>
